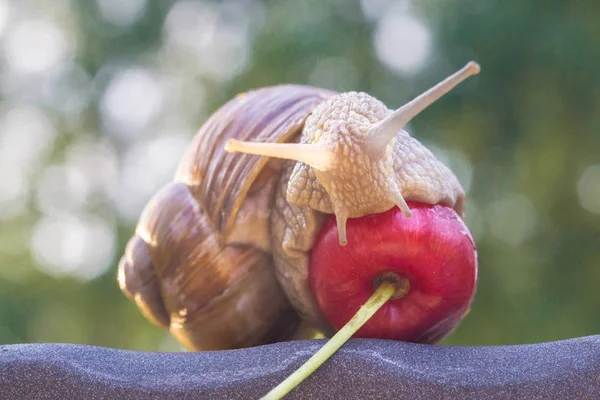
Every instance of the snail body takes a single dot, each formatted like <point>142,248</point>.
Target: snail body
<point>222,255</point>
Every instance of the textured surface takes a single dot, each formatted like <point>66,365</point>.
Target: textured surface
<point>294,230</point>
<point>362,369</point>
<point>358,185</point>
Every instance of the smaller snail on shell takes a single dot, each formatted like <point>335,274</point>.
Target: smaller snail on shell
<point>223,257</point>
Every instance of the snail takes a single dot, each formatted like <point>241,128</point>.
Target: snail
<point>288,200</point>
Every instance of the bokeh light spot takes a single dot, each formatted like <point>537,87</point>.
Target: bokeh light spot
<point>26,136</point>
<point>375,9</point>
<point>218,35</point>
<point>5,12</point>
<point>146,167</point>
<point>121,13</point>
<point>131,102</point>
<point>68,91</point>
<point>97,161</point>
<point>60,189</point>
<point>402,42</point>
<point>588,189</point>
<point>512,218</point>
<point>79,246</point>
<point>37,46</point>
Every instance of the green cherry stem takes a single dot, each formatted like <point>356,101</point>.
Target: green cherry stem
<point>382,294</point>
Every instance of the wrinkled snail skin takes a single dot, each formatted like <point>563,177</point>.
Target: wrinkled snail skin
<point>294,230</point>
<point>221,256</point>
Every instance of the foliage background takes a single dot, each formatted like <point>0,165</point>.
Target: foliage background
<point>100,97</point>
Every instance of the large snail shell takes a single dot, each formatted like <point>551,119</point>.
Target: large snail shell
<point>213,296</point>
<point>188,268</point>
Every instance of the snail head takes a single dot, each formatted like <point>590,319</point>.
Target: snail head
<point>354,157</point>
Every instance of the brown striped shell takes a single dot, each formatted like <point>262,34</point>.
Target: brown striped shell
<point>191,267</point>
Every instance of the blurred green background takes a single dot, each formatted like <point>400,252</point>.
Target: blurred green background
<point>99,99</point>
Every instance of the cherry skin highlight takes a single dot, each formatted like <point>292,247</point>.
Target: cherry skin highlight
<point>433,250</point>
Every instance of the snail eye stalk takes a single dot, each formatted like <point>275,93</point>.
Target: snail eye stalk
<point>389,127</point>
<point>317,156</point>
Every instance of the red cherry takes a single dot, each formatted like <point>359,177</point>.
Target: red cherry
<point>433,251</point>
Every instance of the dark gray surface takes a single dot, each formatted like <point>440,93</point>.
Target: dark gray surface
<point>362,369</point>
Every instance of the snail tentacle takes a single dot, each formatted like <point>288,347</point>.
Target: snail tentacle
<point>315,155</point>
<point>388,128</point>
